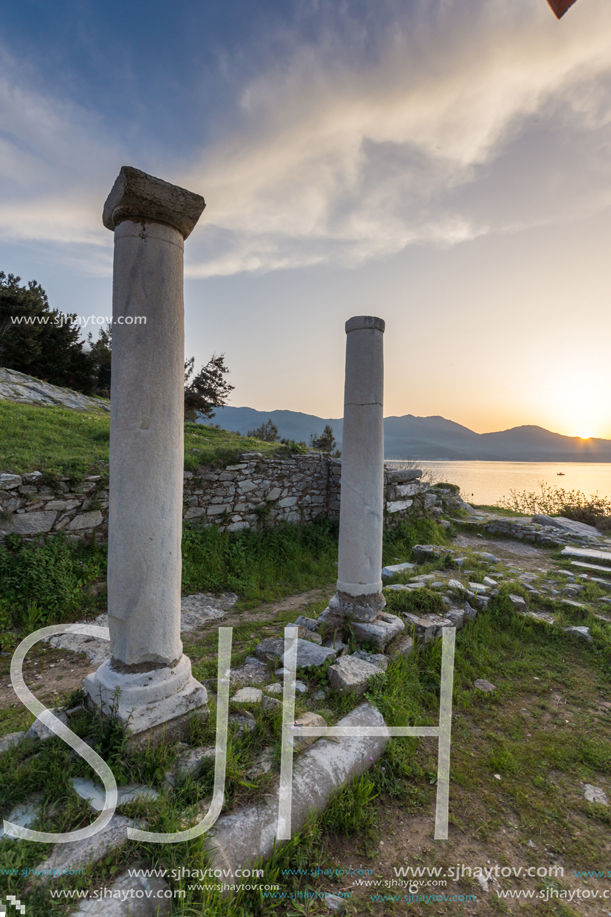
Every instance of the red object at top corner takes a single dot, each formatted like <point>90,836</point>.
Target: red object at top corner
<point>560,6</point>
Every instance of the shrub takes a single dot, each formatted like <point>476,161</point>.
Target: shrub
<point>556,500</point>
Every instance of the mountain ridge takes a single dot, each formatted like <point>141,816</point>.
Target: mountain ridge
<point>432,438</point>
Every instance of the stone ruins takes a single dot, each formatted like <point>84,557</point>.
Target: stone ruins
<point>148,677</point>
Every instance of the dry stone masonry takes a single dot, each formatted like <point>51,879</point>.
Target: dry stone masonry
<point>255,489</point>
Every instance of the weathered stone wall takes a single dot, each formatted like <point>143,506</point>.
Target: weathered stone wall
<point>256,489</point>
<point>28,507</point>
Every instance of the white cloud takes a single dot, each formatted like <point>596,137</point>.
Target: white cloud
<point>343,153</point>
<point>338,159</point>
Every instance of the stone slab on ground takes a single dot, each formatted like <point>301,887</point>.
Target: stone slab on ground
<point>381,631</point>
<point>392,569</point>
<point>309,654</point>
<point>248,696</point>
<point>567,525</point>
<point>95,795</point>
<point>130,896</point>
<point>196,610</point>
<point>79,854</point>
<point>604,557</point>
<point>596,567</point>
<point>24,814</point>
<point>351,675</point>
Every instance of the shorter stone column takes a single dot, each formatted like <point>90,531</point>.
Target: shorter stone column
<point>359,598</point>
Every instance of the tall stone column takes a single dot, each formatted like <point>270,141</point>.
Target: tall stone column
<point>361,521</point>
<point>151,219</point>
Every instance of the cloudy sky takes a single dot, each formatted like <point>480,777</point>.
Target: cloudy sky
<point>444,164</point>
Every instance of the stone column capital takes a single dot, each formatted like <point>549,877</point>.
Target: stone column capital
<point>140,197</point>
<point>365,323</point>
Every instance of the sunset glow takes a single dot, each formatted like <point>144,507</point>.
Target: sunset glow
<point>443,165</point>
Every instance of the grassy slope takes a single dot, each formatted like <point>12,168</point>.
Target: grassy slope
<point>70,442</point>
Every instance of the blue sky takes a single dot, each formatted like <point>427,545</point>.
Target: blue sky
<point>441,163</point>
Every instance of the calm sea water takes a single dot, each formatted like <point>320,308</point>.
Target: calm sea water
<point>488,482</point>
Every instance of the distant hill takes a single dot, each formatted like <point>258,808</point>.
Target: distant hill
<point>432,438</point>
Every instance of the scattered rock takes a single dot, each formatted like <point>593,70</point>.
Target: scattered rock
<point>132,896</point>
<point>309,654</point>
<point>392,569</point>
<point>381,631</point>
<point>428,553</point>
<point>247,723</point>
<point>351,675</point>
<point>489,557</point>
<point>309,623</point>
<point>304,633</point>
<point>335,903</point>
<point>188,764</point>
<point>427,628</point>
<point>517,601</point>
<point>270,703</point>
<point>11,739</point>
<point>248,696</point>
<point>482,685</point>
<point>274,689</point>
<point>456,617</point>
<point>270,650</point>
<point>378,659</point>
<point>402,646</point>
<point>307,719</point>
<point>582,632</point>
<point>262,765</point>
<point>595,794</point>
<point>95,794</point>
<point>40,732</point>
<point>24,814</point>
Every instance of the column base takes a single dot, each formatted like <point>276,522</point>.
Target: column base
<point>343,605</point>
<point>148,703</point>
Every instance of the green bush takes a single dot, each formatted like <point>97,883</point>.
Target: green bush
<point>44,583</point>
<point>556,500</point>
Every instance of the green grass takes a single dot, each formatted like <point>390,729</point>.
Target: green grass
<point>63,441</point>
<point>519,732</point>
<point>498,510</point>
